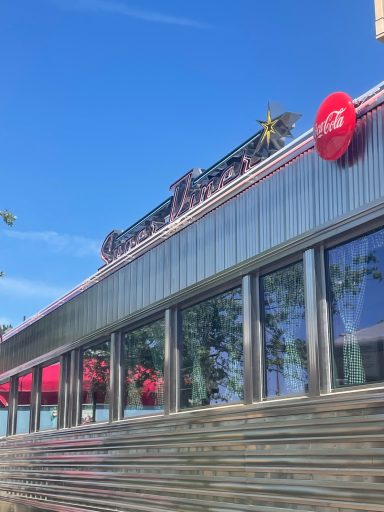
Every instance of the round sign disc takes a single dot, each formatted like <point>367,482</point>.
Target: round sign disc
<point>334,125</point>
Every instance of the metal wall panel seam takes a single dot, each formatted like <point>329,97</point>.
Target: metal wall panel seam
<point>166,288</point>
<point>182,258</point>
<point>175,258</point>
<point>159,276</point>
<point>192,258</point>
<point>146,278</point>
<point>139,282</point>
<point>133,286</point>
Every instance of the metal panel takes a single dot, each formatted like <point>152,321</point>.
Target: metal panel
<point>133,286</point>
<point>192,260</point>
<point>174,260</point>
<point>209,252</point>
<point>322,455</point>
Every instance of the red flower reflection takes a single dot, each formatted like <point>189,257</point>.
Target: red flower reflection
<point>148,381</point>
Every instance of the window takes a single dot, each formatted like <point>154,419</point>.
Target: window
<point>356,292</point>
<point>23,411</point>
<point>285,346</point>
<point>49,396</point>
<point>143,360</point>
<point>212,351</point>
<point>96,383</point>
<point>4,404</point>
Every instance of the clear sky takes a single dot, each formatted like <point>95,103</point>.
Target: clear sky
<point>105,103</point>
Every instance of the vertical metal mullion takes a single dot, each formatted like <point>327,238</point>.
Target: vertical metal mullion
<point>311,319</point>
<point>12,412</point>
<point>249,324</point>
<point>121,377</point>
<point>171,391</point>
<point>324,325</point>
<point>258,348</point>
<point>35,399</point>
<point>115,405</point>
<point>64,400</point>
<point>74,390</point>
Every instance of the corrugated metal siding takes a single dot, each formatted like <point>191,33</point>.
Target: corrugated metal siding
<point>325,455</point>
<point>304,194</point>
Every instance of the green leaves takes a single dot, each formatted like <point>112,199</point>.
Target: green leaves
<point>8,217</point>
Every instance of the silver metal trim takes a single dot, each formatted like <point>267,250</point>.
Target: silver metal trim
<point>248,294</point>
<point>258,343</point>
<point>311,316</point>
<point>323,324</point>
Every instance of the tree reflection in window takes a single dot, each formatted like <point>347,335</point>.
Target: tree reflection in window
<point>284,332</point>
<point>212,351</point>
<point>144,370</point>
<point>355,271</point>
<point>96,383</point>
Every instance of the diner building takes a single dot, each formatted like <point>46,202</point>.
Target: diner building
<point>229,353</point>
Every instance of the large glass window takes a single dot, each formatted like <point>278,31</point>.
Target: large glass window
<point>49,396</point>
<point>143,361</point>
<point>23,411</point>
<point>356,293</point>
<point>285,345</point>
<point>4,404</point>
<point>212,351</point>
<point>96,383</point>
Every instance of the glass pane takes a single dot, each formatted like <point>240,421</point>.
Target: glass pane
<point>50,381</point>
<point>23,412</point>
<point>285,345</point>
<point>144,370</point>
<point>356,285</point>
<point>96,383</point>
<point>4,401</point>
<point>212,351</point>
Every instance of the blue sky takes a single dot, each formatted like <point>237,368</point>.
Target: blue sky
<point>105,103</point>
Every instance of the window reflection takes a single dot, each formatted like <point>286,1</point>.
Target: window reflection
<point>23,411</point>
<point>50,381</point>
<point>96,383</point>
<point>356,288</point>
<point>212,351</point>
<point>144,370</point>
<point>4,403</point>
<point>284,332</point>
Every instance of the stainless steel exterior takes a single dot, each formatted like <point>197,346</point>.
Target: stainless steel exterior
<point>324,455</point>
<point>323,452</point>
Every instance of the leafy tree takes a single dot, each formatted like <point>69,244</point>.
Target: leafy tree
<point>3,328</point>
<point>96,375</point>
<point>212,353</point>
<point>9,219</point>
<point>144,366</point>
<point>284,313</point>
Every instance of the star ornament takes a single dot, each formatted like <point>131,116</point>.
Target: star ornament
<point>268,127</point>
<point>275,130</point>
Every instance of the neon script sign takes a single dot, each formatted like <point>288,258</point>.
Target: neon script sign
<point>198,185</point>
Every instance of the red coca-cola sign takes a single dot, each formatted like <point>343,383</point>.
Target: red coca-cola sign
<point>334,125</point>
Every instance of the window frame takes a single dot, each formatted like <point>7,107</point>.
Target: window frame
<point>344,238</point>
<point>190,302</point>
<point>268,270</point>
<point>39,373</point>
<point>121,366</point>
<point>77,386</point>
